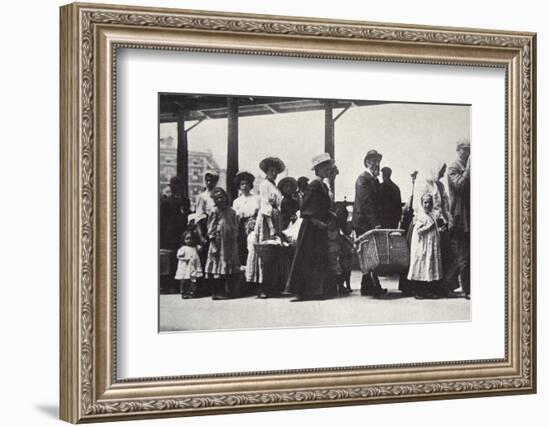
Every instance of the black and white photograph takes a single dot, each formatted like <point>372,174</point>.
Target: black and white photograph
<point>262,213</point>
<point>279,212</point>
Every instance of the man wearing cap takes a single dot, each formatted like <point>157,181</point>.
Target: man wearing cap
<point>366,213</point>
<point>458,175</point>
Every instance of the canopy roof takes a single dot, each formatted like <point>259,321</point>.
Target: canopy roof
<point>203,107</point>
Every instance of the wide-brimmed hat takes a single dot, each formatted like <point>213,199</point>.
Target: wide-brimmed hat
<point>285,181</point>
<point>212,172</point>
<point>372,154</point>
<point>266,163</point>
<point>244,176</point>
<point>321,158</point>
<point>463,143</point>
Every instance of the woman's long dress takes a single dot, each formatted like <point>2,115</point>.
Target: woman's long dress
<point>270,208</point>
<point>246,208</point>
<point>223,255</point>
<point>441,214</point>
<point>309,274</point>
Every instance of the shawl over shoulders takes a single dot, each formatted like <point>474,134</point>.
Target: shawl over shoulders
<point>316,202</point>
<point>309,275</point>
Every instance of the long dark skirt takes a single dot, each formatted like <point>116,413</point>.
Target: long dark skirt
<point>309,275</point>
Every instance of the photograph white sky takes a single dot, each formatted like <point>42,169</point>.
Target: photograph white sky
<point>409,136</point>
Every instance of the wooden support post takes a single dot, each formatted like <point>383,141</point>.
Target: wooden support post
<point>182,156</point>
<point>329,134</point>
<point>232,146</point>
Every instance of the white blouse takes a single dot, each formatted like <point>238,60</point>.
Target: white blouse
<point>246,206</point>
<point>270,197</point>
<point>204,205</point>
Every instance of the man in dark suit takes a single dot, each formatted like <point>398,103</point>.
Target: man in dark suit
<point>390,200</point>
<point>367,212</point>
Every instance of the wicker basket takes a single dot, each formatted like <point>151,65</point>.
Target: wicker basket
<point>383,251</point>
<point>269,252</point>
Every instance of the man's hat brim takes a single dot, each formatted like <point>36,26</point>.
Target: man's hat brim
<point>372,155</point>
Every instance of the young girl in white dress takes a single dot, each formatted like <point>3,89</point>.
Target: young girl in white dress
<point>189,266</point>
<point>425,265</point>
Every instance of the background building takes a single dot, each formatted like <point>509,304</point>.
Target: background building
<point>199,163</point>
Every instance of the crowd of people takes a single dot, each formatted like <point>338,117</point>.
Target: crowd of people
<point>292,238</point>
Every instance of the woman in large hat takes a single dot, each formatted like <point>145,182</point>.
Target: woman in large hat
<point>246,207</point>
<point>268,221</point>
<point>309,276</point>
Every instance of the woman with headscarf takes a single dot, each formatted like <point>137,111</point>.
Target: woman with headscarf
<point>246,207</point>
<point>425,268</point>
<point>268,221</point>
<point>436,189</point>
<point>439,212</point>
<point>309,275</point>
<point>444,219</point>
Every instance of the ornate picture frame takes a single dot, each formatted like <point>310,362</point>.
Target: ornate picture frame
<point>90,37</point>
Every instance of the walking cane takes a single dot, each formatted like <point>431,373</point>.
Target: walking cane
<point>406,218</point>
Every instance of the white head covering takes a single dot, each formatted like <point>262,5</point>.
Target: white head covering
<point>426,182</point>
<point>212,172</point>
<point>435,169</point>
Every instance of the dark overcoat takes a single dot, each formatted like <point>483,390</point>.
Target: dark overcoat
<point>309,275</point>
<point>390,202</point>
<point>366,208</point>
